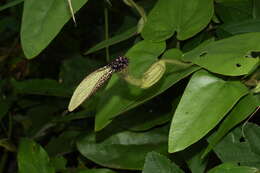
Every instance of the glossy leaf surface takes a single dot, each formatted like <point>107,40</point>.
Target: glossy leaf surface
<point>205,101</point>
<point>186,18</point>
<point>124,150</point>
<point>240,112</point>
<point>42,21</point>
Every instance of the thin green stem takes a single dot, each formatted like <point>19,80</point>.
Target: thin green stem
<point>10,4</point>
<point>178,44</point>
<point>130,79</point>
<point>139,9</point>
<point>106,32</point>
<point>3,161</point>
<point>177,62</point>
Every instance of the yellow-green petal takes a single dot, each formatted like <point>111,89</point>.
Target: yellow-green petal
<point>153,74</point>
<point>88,86</point>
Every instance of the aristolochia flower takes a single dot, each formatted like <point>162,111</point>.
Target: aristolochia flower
<point>95,80</point>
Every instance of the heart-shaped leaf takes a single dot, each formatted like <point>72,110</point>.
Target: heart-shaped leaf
<point>42,21</point>
<point>186,18</point>
<point>205,101</point>
<point>234,56</point>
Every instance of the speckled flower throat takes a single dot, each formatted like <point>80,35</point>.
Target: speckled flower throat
<point>119,64</point>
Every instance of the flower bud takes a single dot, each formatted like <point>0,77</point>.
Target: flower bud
<point>153,74</point>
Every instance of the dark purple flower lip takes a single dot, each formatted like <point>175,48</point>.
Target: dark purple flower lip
<point>119,64</point>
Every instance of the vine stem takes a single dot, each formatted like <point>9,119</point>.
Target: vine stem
<point>140,82</point>
<point>177,62</point>
<point>244,124</point>
<point>139,9</point>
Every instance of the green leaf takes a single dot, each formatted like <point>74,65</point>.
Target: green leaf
<point>142,55</point>
<point>232,148</point>
<point>157,163</point>
<point>233,10</point>
<point>114,40</point>
<point>62,144</point>
<point>187,18</point>
<point>96,171</point>
<point>59,163</point>
<point>47,87</point>
<point>194,119</point>
<point>10,4</point>
<point>118,97</point>
<point>74,70</point>
<point>124,150</point>
<point>39,118</point>
<point>150,114</point>
<point>241,111</point>
<point>231,56</point>
<point>241,27</point>
<point>42,21</point>
<point>252,134</point>
<point>193,159</point>
<point>32,158</point>
<point>233,168</point>
<point>256,9</point>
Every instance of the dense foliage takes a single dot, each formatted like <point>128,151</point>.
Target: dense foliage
<point>187,101</point>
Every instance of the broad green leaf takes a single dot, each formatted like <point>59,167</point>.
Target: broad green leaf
<point>114,40</point>
<point>118,97</point>
<point>233,168</point>
<point>206,100</point>
<point>252,134</point>
<point>47,87</point>
<point>232,56</point>
<point>232,148</point>
<point>241,27</point>
<point>32,158</point>
<point>85,113</point>
<point>240,112</point>
<point>42,21</point>
<point>193,159</point>
<point>62,144</point>
<point>187,18</point>
<point>256,9</point>
<point>88,86</point>
<point>102,170</point>
<point>10,4</point>
<point>198,40</point>
<point>142,55</point>
<point>74,70</point>
<point>59,163</point>
<point>124,150</point>
<point>233,10</point>
<point>39,118</point>
<point>148,115</point>
<point>157,163</point>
